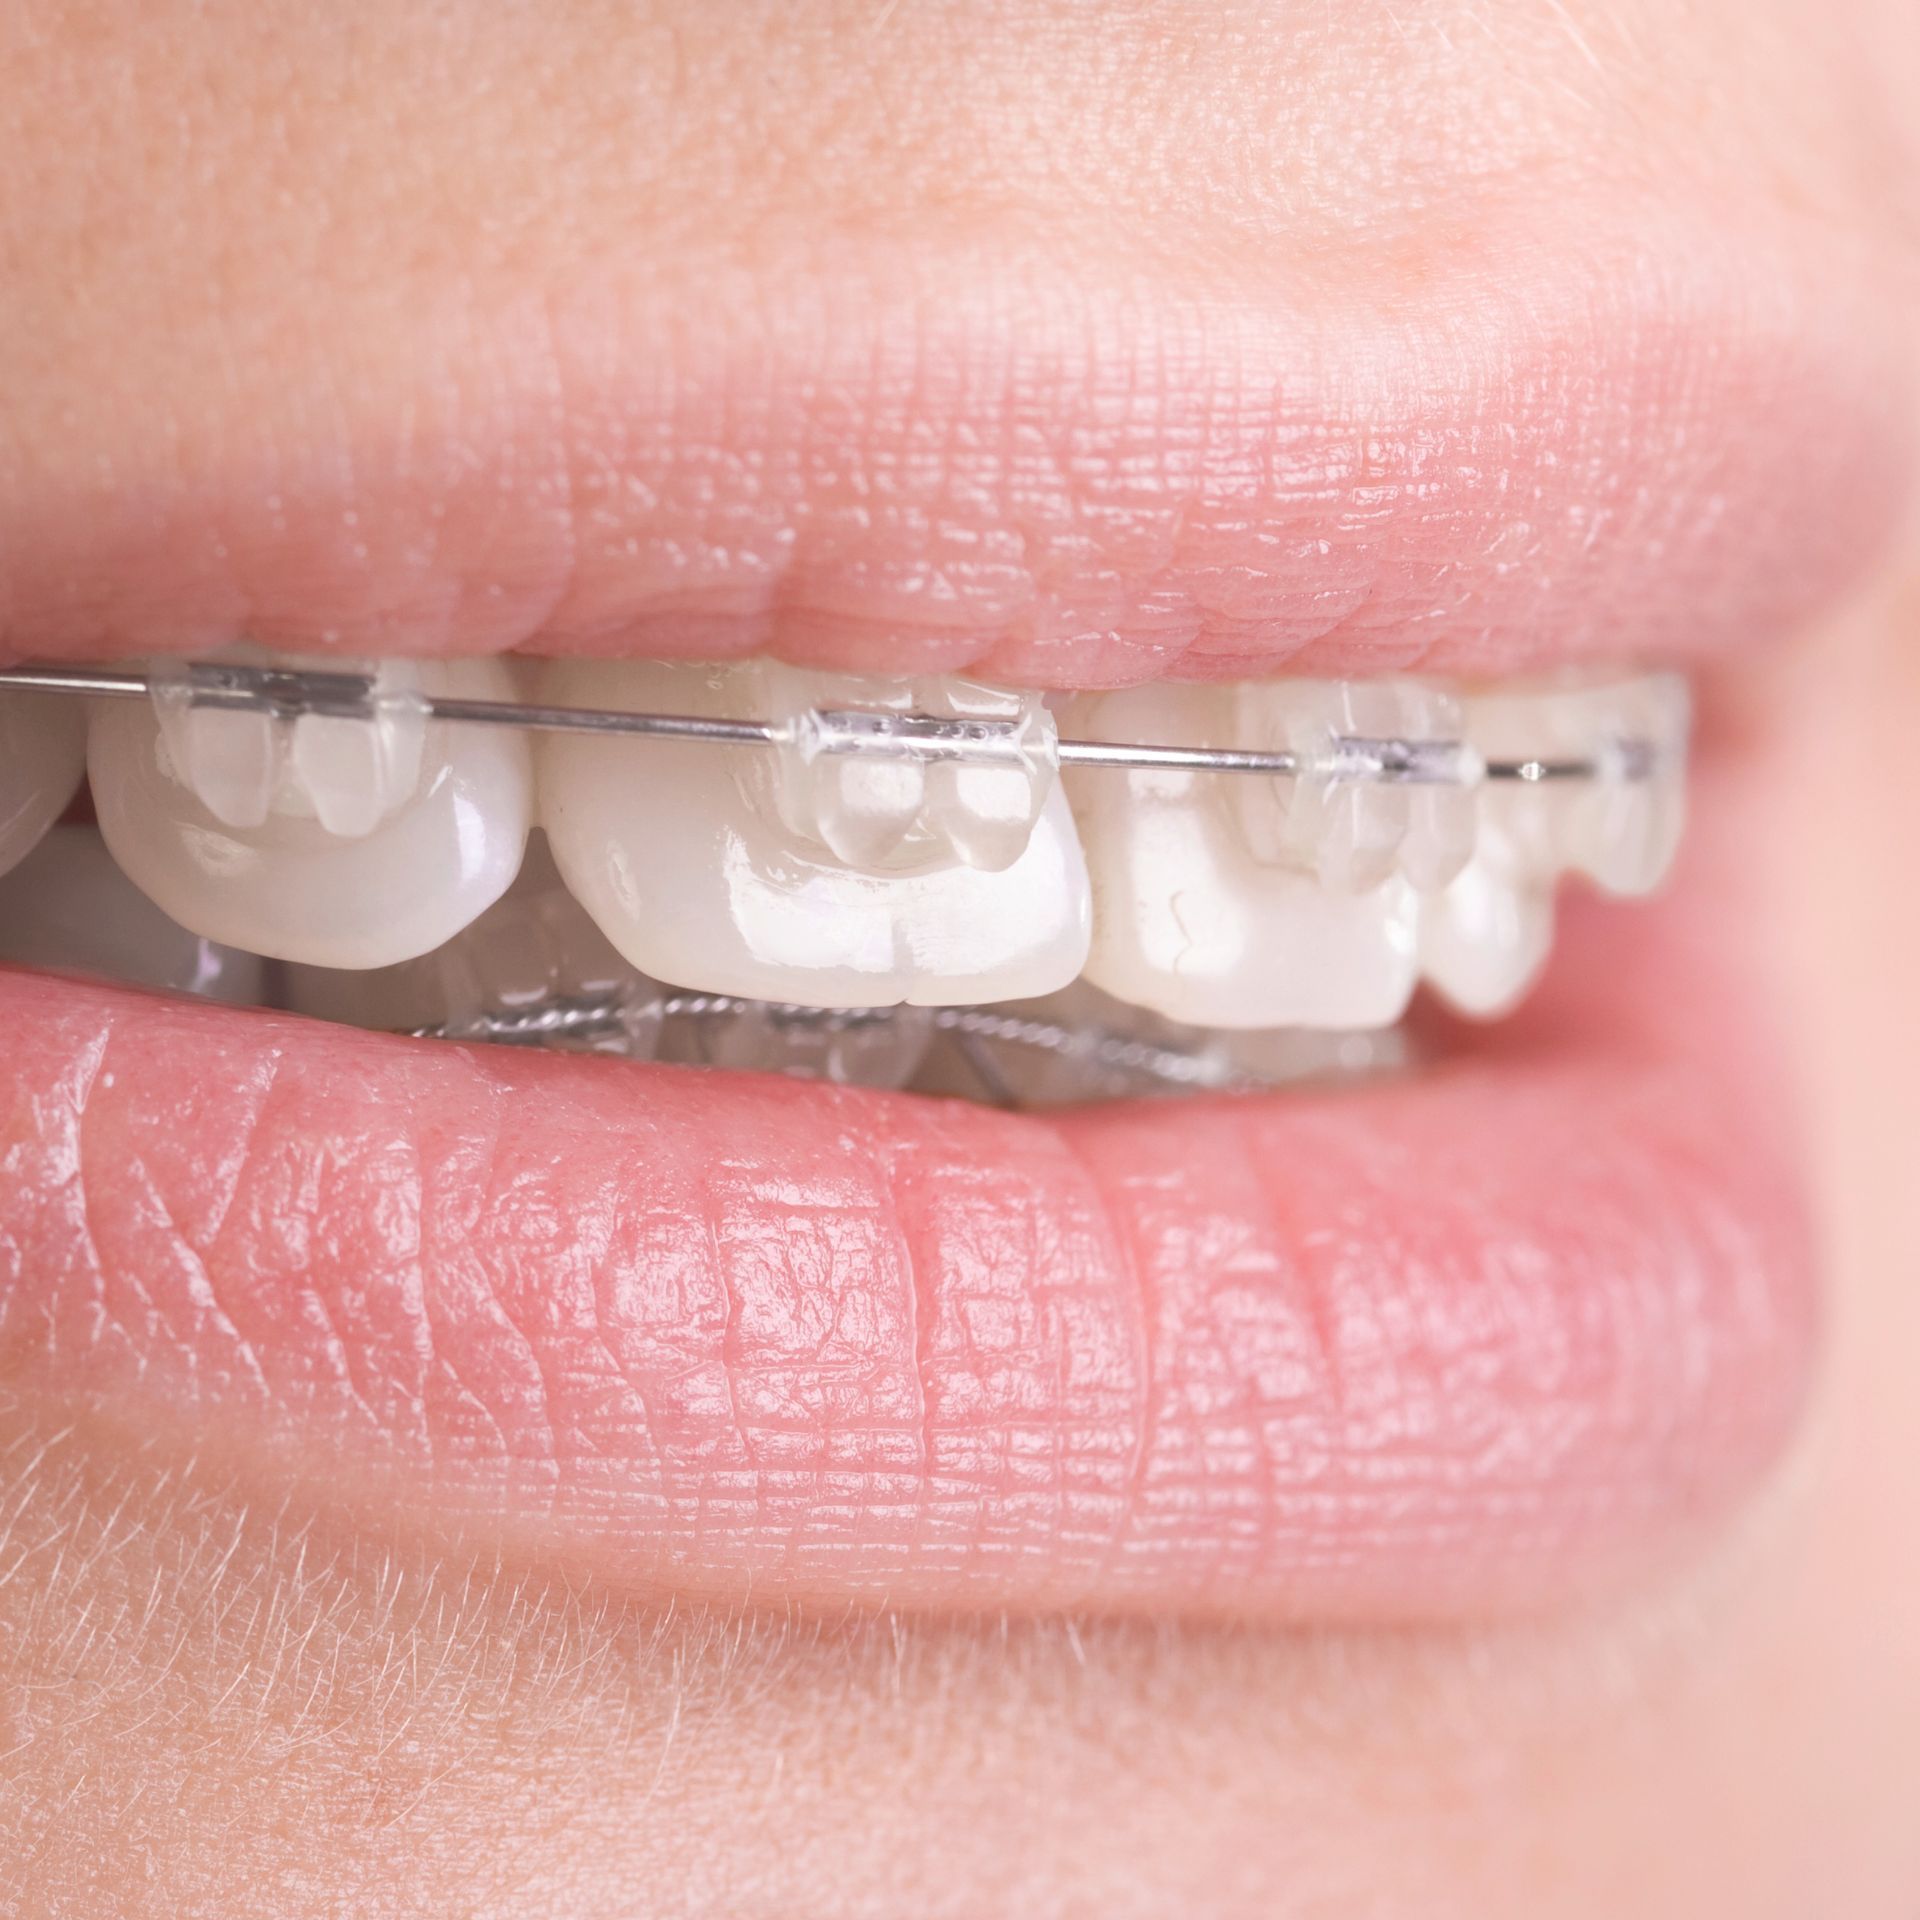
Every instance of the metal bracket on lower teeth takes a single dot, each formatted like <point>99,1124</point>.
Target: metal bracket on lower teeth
<point>290,693</point>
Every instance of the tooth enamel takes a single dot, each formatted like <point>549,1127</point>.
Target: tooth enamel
<point>535,943</point>
<point>1189,920</point>
<point>288,886</point>
<point>347,772</point>
<point>1344,814</point>
<point>1621,831</point>
<point>1485,938</point>
<point>68,906</point>
<point>714,867</point>
<point>894,814</point>
<point>43,752</point>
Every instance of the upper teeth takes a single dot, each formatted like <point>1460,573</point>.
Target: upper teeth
<point>730,870</point>
<point>845,867</point>
<point>43,752</point>
<point>243,835</point>
<point>244,765</point>
<point>892,812</point>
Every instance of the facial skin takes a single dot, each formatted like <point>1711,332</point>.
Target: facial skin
<point>215,1703</point>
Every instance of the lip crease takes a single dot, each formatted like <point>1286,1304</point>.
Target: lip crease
<point>1469,1342</point>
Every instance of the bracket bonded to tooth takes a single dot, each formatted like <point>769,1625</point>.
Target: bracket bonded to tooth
<point>288,694</point>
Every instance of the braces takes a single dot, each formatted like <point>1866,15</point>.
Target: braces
<point>610,1021</point>
<point>291,693</point>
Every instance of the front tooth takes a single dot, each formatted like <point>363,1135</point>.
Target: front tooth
<point>1189,920</point>
<point>1346,814</point>
<point>892,813</point>
<point>1485,938</point>
<point>68,906</point>
<point>43,752</point>
<point>288,886</point>
<point>716,868</point>
<point>1620,827</point>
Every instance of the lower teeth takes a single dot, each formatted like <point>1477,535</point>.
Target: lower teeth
<point>1068,1048</point>
<point>533,973</point>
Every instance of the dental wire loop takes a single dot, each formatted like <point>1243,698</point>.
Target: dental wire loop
<point>292,693</point>
<point>606,1020</point>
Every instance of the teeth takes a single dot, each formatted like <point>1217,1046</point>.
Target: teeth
<point>68,906</point>
<point>533,944</point>
<point>1344,816</point>
<point>350,774</point>
<point>733,870</point>
<point>900,815</point>
<point>43,752</point>
<point>1485,938</point>
<point>852,866</point>
<point>1206,922</point>
<point>1620,831</point>
<point>404,872</point>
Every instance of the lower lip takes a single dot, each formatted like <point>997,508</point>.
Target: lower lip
<point>1464,1343</point>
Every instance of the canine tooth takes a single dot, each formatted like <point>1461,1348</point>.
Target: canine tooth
<point>1353,813</point>
<point>347,772</point>
<point>898,814</point>
<point>43,752</point>
<point>1188,920</point>
<point>712,867</point>
<point>68,906</point>
<point>1622,827</point>
<point>1485,938</point>
<point>289,886</point>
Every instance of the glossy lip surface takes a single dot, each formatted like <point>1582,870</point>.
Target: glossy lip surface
<point>1473,1341</point>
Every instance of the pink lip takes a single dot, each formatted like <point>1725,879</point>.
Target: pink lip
<point>1463,1343</point>
<point>1650,447</point>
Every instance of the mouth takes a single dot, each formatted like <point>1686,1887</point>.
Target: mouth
<point>691,1118</point>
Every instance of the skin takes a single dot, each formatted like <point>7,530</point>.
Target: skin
<point>219,1701</point>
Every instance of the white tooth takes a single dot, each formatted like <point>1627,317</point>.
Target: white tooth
<point>1484,940</point>
<point>899,815</point>
<point>68,906</point>
<point>43,752</point>
<point>1188,921</point>
<point>291,888</point>
<point>712,867</point>
<point>534,943</point>
<point>347,773</point>
<point>1620,831</point>
<point>1339,816</point>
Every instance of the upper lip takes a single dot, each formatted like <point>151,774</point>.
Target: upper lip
<point>1041,479</point>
